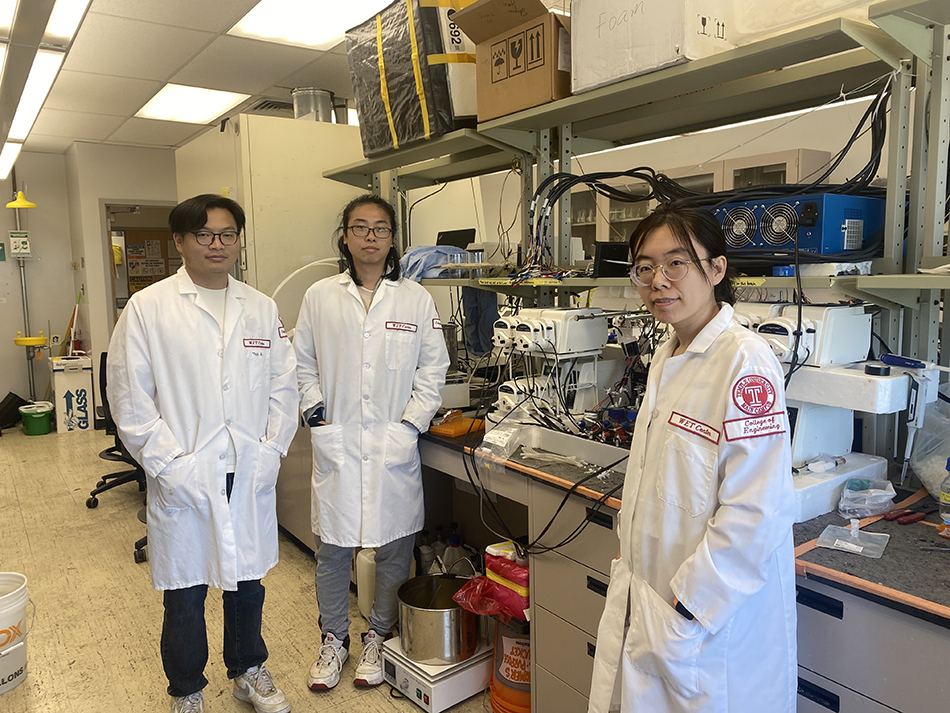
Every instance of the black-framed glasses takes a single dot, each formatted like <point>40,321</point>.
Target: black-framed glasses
<point>674,270</point>
<point>361,231</point>
<point>206,237</point>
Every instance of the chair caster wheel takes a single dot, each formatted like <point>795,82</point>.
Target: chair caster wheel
<point>139,556</point>
<point>92,502</point>
<point>100,483</point>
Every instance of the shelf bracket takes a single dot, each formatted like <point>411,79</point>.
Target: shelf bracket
<point>888,299</point>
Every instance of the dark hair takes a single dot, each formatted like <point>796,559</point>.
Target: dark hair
<point>192,215</point>
<point>686,223</point>
<point>392,259</point>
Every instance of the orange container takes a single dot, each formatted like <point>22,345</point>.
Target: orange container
<point>511,680</point>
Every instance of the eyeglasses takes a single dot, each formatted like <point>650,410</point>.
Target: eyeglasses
<point>674,270</point>
<point>362,231</point>
<point>206,237</point>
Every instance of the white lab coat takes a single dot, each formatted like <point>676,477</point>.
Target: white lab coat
<point>708,507</point>
<point>371,371</point>
<point>176,390</point>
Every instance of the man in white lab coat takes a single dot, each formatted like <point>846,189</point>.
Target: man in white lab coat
<point>201,385</point>
<point>371,363</point>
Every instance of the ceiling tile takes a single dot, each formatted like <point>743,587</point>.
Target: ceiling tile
<point>237,64</point>
<point>47,144</point>
<point>155,133</point>
<point>94,93</point>
<point>329,72</point>
<point>129,48</point>
<point>217,16</point>
<point>76,124</point>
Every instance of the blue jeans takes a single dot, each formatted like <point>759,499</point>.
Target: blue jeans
<point>333,585</point>
<point>184,641</point>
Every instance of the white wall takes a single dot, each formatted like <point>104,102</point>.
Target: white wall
<point>96,175</point>
<point>49,274</point>
<point>276,167</point>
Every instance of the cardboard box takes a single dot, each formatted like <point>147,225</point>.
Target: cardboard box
<point>613,40</point>
<point>523,54</point>
<point>413,74</point>
<point>72,388</point>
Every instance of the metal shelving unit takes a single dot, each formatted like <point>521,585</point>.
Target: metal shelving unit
<point>800,69</point>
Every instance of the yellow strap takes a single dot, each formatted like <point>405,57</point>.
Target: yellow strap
<point>517,588</point>
<point>457,4</point>
<point>454,58</point>
<point>417,70</point>
<point>383,91</point>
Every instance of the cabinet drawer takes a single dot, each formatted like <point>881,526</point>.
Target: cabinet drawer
<point>552,694</point>
<point>879,652</point>
<point>595,547</point>
<point>816,694</point>
<point>564,650</point>
<point>570,590</point>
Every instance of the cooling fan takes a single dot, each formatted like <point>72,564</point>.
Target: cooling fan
<point>821,223</point>
<point>779,224</point>
<point>739,225</point>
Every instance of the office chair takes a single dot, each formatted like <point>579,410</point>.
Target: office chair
<point>116,452</point>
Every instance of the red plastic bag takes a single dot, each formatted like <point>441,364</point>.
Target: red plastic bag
<point>504,592</point>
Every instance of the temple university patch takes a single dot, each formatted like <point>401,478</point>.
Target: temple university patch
<point>753,395</point>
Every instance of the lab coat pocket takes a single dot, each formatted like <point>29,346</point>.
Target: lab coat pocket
<point>256,368</point>
<point>178,486</point>
<point>402,448</point>
<point>401,350</point>
<point>268,465</point>
<point>686,474</point>
<point>327,450</point>
<point>663,643</point>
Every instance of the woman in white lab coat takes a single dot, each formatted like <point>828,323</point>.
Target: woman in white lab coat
<point>371,363</point>
<point>700,611</point>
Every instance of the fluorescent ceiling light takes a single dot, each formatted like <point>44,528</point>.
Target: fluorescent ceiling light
<point>8,158</point>
<point>305,23</point>
<point>64,20</point>
<point>7,10</point>
<point>191,105</point>
<point>42,74</point>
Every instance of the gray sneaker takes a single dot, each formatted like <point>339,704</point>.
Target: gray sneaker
<point>194,703</point>
<point>256,686</point>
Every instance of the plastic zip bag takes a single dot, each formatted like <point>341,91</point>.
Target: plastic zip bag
<point>866,544</point>
<point>863,497</point>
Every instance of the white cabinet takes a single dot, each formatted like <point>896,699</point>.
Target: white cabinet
<point>568,594</point>
<point>871,649</point>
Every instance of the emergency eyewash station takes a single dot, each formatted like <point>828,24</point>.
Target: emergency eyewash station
<point>578,383</point>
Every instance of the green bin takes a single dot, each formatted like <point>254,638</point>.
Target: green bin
<point>36,418</point>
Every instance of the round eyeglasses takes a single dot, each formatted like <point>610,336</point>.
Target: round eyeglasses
<point>361,231</point>
<point>674,270</point>
<point>206,237</point>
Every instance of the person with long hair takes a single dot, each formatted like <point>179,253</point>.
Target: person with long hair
<point>371,366</point>
<point>700,611</point>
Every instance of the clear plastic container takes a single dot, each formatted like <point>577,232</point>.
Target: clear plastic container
<point>945,495</point>
<point>844,539</point>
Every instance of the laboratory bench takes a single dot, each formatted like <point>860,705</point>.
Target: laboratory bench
<point>873,634</point>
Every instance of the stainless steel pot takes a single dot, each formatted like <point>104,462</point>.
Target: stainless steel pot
<point>434,629</point>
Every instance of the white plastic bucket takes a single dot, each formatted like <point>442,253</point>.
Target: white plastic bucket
<point>13,631</point>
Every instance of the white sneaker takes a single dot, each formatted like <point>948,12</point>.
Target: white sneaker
<point>325,671</point>
<point>256,686</point>
<point>194,703</point>
<point>369,671</point>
